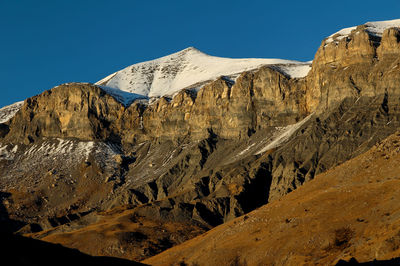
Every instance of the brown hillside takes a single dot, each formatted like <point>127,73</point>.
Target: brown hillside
<point>351,210</point>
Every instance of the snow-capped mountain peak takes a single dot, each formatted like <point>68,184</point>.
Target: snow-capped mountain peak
<point>185,69</point>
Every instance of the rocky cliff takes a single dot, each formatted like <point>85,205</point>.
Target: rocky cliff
<point>200,156</point>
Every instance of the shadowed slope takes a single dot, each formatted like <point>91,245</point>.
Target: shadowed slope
<point>350,211</point>
<point>17,250</point>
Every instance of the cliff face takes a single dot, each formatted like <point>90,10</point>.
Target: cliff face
<point>202,156</point>
<point>231,110</point>
<point>256,100</point>
<point>80,111</point>
<point>353,91</point>
<point>357,65</point>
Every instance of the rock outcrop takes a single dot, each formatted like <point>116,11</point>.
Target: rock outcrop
<point>79,111</point>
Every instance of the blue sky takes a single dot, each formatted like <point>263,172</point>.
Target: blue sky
<point>48,42</point>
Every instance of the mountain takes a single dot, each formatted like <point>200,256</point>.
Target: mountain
<point>197,147</point>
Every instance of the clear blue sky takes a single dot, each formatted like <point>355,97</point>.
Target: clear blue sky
<point>44,43</point>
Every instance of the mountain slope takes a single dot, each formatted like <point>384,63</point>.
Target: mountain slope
<point>351,210</point>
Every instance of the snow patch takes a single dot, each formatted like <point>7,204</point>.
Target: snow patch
<point>375,28</point>
<point>283,134</point>
<point>7,153</point>
<point>245,150</point>
<point>340,34</point>
<point>15,149</point>
<point>8,112</point>
<point>294,70</point>
<point>378,27</point>
<point>85,148</point>
<point>3,150</point>
<point>62,147</point>
<point>124,97</point>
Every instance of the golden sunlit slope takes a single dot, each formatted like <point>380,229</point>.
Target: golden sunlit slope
<point>352,210</point>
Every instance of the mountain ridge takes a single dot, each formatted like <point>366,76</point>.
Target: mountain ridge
<point>188,68</point>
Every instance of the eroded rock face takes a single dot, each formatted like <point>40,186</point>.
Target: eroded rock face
<point>360,64</point>
<point>256,100</point>
<point>390,43</point>
<point>231,110</point>
<point>77,111</point>
<point>358,47</point>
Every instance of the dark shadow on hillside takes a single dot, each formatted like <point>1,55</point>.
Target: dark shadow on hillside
<point>7,225</point>
<point>18,250</point>
<point>353,261</point>
<point>4,129</point>
<point>256,189</point>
